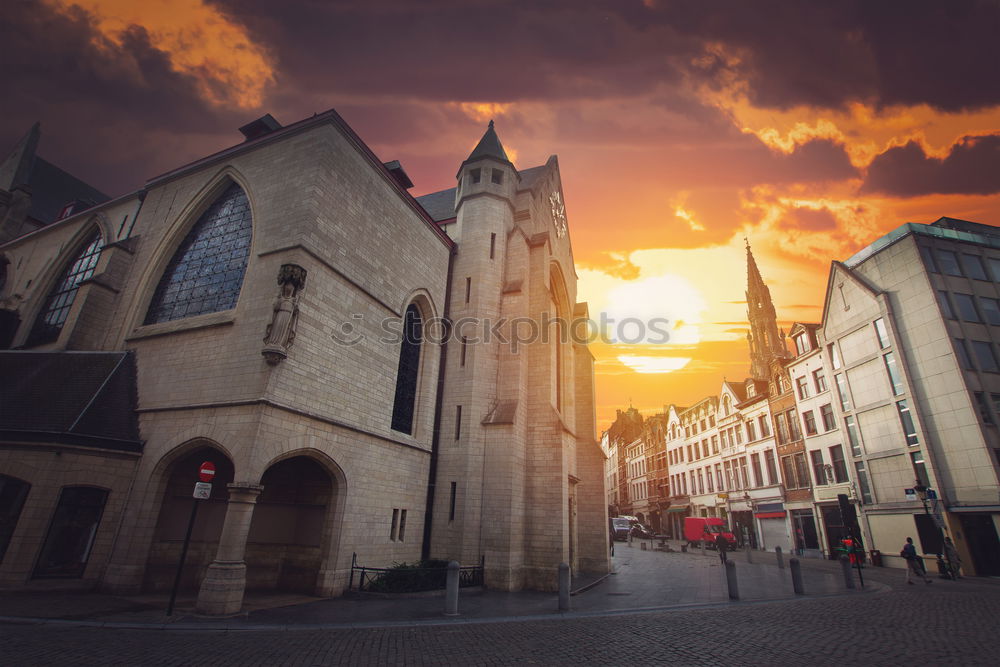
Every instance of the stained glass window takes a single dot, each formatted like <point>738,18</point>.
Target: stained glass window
<point>206,272</point>
<point>53,315</point>
<point>406,375</point>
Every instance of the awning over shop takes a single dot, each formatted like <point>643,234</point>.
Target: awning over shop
<point>678,508</point>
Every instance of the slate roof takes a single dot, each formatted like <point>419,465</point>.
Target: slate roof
<point>439,205</point>
<point>77,398</point>
<point>52,188</point>
<point>529,176</point>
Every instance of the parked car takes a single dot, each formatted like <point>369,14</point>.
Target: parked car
<point>706,529</point>
<point>642,532</point>
<point>619,527</point>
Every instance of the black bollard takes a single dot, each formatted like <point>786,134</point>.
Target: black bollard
<point>451,592</point>
<point>780,557</point>
<point>796,568</point>
<point>731,582</point>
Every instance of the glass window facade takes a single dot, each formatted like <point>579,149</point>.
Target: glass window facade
<point>895,378</point>
<point>853,437</point>
<point>881,333</point>
<point>945,304</point>
<point>845,398</point>
<point>206,273</point>
<point>948,262</point>
<point>991,309</point>
<point>53,314</point>
<point>906,419</point>
<point>966,307</point>
<point>973,266</point>
<point>985,356</point>
<point>863,485</point>
<point>963,354</point>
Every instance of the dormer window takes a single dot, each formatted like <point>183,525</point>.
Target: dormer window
<point>476,175</point>
<point>751,390</point>
<point>801,344</point>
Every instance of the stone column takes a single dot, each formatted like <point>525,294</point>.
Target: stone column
<point>222,589</point>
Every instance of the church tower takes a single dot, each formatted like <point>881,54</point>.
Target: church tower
<point>519,476</point>
<point>485,196</point>
<point>767,343</point>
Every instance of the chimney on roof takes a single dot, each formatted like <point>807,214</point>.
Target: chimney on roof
<point>396,169</point>
<point>266,124</point>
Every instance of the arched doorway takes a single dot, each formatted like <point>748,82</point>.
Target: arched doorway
<point>291,524</point>
<point>175,512</point>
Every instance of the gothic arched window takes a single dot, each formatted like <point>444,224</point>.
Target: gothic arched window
<point>406,375</point>
<point>206,272</point>
<point>53,314</point>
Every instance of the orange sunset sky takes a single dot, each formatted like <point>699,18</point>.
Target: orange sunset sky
<point>681,128</point>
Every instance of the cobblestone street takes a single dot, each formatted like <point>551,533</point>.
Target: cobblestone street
<point>944,623</point>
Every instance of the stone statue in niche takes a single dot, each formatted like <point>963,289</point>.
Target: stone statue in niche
<point>281,331</point>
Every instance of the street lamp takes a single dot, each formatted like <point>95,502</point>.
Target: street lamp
<point>921,491</point>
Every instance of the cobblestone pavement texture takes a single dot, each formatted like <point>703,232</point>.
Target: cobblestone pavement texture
<point>948,622</point>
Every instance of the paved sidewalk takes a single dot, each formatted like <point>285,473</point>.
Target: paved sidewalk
<point>642,580</point>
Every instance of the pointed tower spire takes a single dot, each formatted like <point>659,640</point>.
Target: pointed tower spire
<point>766,342</point>
<point>489,146</point>
<point>16,168</point>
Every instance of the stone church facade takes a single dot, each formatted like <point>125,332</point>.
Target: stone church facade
<point>287,310</point>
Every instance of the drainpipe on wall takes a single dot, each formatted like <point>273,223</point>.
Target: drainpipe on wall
<point>425,548</point>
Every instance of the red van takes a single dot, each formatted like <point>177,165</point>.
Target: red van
<point>698,529</point>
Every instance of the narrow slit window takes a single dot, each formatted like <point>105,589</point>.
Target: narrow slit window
<point>407,372</point>
<point>493,245</point>
<point>458,422</point>
<point>451,503</point>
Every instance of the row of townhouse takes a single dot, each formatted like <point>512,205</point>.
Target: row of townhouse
<point>891,403</point>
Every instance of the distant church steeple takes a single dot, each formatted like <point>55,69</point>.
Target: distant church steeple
<point>767,343</point>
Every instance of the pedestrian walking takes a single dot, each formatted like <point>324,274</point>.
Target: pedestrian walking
<point>954,560</point>
<point>914,564</point>
<point>722,546</point>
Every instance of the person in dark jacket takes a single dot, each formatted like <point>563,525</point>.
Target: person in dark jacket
<point>722,546</point>
<point>914,563</point>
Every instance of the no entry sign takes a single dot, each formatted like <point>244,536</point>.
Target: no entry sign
<point>206,472</point>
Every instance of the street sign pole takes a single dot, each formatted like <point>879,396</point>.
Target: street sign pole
<point>202,491</point>
<point>184,551</point>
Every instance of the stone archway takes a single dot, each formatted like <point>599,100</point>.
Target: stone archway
<point>291,525</point>
<point>175,511</point>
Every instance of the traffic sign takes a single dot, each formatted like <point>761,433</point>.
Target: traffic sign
<point>206,471</point>
<point>202,490</point>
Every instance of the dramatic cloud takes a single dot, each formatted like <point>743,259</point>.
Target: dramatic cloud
<point>812,219</point>
<point>972,166</point>
<point>198,41</point>
<point>681,126</point>
<point>113,112</point>
<point>786,54</point>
